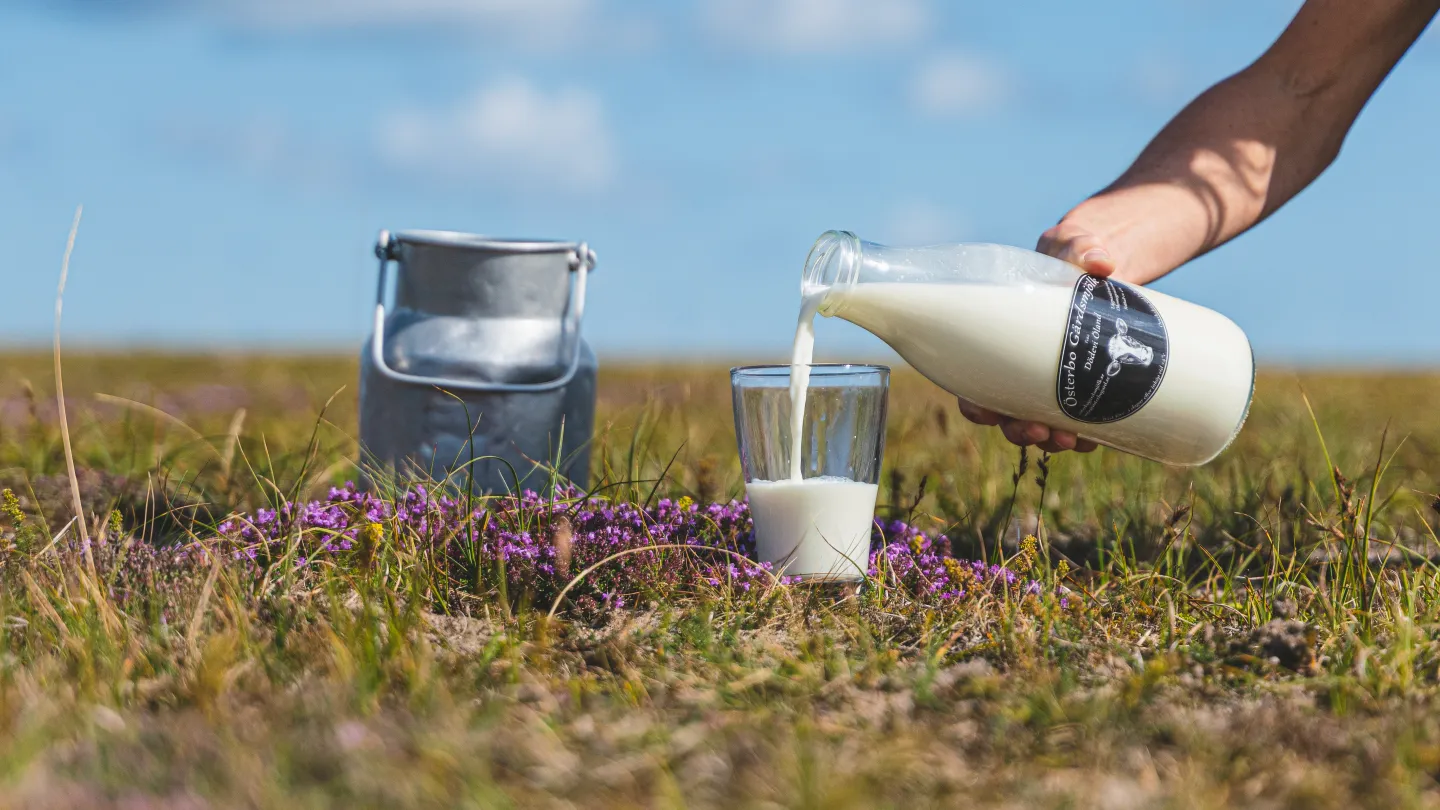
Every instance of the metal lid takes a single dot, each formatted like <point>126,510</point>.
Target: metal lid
<point>458,239</point>
<point>582,254</point>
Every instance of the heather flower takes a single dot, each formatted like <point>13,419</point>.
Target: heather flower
<point>537,543</point>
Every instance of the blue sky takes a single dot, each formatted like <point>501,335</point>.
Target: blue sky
<point>237,157</point>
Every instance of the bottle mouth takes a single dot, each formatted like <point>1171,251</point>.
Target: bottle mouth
<point>834,261</point>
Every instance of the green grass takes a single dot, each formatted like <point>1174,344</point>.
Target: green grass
<point>1171,680</point>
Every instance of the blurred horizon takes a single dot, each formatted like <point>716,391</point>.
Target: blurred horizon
<point>236,159</point>
<point>720,359</point>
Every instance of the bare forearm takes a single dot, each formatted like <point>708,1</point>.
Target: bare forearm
<point>1212,173</point>
<point>1233,156</point>
<point>1251,143</point>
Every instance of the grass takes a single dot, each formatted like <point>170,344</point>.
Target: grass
<point>1263,631</point>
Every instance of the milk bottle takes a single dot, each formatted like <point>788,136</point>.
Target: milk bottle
<point>1033,338</point>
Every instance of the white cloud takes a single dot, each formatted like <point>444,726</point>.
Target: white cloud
<point>816,26</point>
<point>526,22</point>
<point>533,18</point>
<point>544,26</point>
<point>509,133</point>
<point>261,145</point>
<point>954,84</point>
<point>920,222</point>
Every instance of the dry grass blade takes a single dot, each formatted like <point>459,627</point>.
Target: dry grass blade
<point>192,633</point>
<point>561,535</point>
<point>60,398</point>
<point>232,440</point>
<point>42,603</point>
<point>103,608</point>
<point>56,539</point>
<point>580,577</point>
<point>162,416</point>
<point>320,477</point>
<point>1324,450</point>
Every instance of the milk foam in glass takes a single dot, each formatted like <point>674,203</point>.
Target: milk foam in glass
<point>1032,337</point>
<point>811,440</point>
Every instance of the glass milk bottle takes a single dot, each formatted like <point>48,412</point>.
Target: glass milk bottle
<point>1032,337</point>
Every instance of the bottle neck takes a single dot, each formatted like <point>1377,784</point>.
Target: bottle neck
<point>833,263</point>
<point>839,261</point>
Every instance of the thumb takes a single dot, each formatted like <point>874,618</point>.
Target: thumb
<point>1078,247</point>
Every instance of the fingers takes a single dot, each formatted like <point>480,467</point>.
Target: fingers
<point>1018,432</point>
<point>978,415</point>
<point>1078,246</point>
<point>1048,439</point>
<point>1026,434</point>
<point>1059,442</point>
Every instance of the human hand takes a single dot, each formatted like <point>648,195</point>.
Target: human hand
<point>1023,433</point>
<point>1078,246</point>
<point>1083,249</point>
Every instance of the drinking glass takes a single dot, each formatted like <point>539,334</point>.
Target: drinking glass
<point>816,526</point>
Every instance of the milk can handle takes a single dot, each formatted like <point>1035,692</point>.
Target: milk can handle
<point>581,262</point>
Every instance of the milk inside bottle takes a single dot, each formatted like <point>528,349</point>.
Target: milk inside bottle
<point>1031,337</point>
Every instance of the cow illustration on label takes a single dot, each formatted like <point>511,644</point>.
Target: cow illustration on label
<point>1125,350</point>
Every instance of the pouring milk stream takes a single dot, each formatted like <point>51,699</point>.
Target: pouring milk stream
<point>812,527</point>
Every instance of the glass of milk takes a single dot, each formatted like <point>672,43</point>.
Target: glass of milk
<point>811,440</point>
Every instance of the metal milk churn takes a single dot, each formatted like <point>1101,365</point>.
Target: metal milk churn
<point>479,366</point>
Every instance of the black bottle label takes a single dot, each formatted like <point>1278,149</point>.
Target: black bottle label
<point>1114,355</point>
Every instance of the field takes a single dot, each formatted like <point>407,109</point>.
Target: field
<point>1263,631</point>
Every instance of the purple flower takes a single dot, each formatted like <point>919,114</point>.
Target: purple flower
<point>514,538</point>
